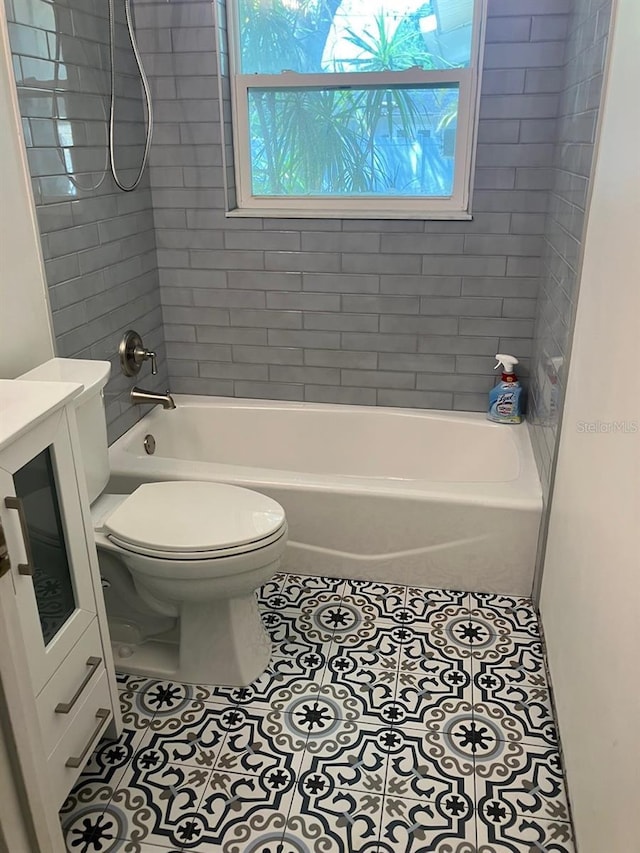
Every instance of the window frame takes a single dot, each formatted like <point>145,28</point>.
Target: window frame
<point>456,206</point>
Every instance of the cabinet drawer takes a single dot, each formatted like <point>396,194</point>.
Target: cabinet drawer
<point>69,685</point>
<point>88,725</point>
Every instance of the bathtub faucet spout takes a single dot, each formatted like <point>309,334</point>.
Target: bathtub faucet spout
<point>139,395</point>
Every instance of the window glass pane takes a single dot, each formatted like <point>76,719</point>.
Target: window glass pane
<point>341,142</point>
<point>319,36</point>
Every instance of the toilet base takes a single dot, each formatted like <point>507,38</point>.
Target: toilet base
<point>151,659</point>
<point>222,643</point>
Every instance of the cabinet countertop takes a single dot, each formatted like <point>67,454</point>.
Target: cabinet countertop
<point>24,403</point>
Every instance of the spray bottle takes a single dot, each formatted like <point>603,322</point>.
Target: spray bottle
<point>504,398</point>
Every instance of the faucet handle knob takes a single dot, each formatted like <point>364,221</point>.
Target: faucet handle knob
<point>133,353</point>
<point>144,354</point>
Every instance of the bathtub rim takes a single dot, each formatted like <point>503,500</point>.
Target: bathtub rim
<point>524,492</point>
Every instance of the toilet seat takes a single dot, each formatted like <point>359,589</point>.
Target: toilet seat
<point>194,520</point>
<point>216,554</point>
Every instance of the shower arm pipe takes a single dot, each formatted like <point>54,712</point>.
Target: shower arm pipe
<point>147,96</point>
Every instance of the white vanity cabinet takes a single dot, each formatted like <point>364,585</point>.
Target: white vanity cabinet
<point>50,558</point>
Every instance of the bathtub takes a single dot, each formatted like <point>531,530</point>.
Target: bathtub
<point>425,498</point>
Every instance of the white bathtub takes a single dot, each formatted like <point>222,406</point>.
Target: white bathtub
<point>418,497</point>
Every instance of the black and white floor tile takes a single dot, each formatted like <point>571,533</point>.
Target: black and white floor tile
<point>391,719</point>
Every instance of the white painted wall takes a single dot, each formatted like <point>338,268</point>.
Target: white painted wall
<point>590,601</point>
<point>26,339</point>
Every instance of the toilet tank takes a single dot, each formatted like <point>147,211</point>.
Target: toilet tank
<point>90,415</point>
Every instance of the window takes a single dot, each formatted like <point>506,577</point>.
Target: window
<point>354,107</point>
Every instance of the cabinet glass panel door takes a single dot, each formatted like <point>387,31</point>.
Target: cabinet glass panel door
<point>35,486</point>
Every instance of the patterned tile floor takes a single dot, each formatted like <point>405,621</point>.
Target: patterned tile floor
<point>391,720</point>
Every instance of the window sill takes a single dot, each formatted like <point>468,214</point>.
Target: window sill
<point>309,213</point>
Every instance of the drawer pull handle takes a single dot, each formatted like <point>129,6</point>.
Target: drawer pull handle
<point>102,714</point>
<point>65,707</point>
<point>27,568</point>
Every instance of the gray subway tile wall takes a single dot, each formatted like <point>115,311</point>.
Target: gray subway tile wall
<point>583,72</point>
<point>385,312</point>
<point>402,313</point>
<point>98,242</point>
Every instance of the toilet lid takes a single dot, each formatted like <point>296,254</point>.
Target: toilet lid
<point>192,516</point>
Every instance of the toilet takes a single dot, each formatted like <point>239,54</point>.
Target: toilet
<point>180,561</point>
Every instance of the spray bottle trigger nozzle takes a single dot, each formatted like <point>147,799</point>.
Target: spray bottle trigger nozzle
<point>508,362</point>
